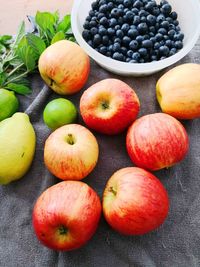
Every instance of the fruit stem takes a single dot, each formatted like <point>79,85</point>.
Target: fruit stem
<point>105,105</point>
<point>70,139</point>
<point>111,189</point>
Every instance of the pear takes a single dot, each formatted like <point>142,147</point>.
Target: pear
<point>17,147</point>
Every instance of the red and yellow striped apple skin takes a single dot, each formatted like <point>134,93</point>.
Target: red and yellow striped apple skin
<point>157,141</point>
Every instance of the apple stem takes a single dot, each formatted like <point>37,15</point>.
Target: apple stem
<point>111,189</point>
<point>70,139</point>
<point>105,105</point>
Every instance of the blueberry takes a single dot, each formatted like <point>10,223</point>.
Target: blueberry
<point>123,50</point>
<point>116,47</point>
<point>153,39</point>
<point>118,56</point>
<point>133,45</point>
<point>163,31</point>
<point>178,28</point>
<point>112,22</point>
<point>172,52</point>
<point>155,11</point>
<point>94,5</point>
<point>157,26</point>
<point>160,18</point>
<point>108,54</point>
<point>136,56</point>
<point>158,37</point>
<point>143,19</point>
<point>90,43</point>
<point>129,16</point>
<point>127,3</point>
<point>133,33</point>
<point>103,50</point>
<point>146,37</point>
<point>135,10</point>
<point>170,20</point>
<point>93,30</point>
<point>142,28</point>
<point>100,15</point>
<point>110,48</point>
<point>143,51</point>
<point>88,18</point>
<point>102,2</point>
<point>91,13</point>
<point>126,40</point>
<point>86,25</point>
<point>115,13</point>
<point>156,45</point>
<point>166,9</point>
<point>97,40</point>
<point>168,43</point>
<point>120,20</point>
<point>147,44</point>
<point>180,36</point>
<point>165,24</point>
<point>103,21</point>
<point>105,40</point>
<point>138,4</point>
<point>86,35</point>
<point>151,20</point>
<point>164,50</point>
<point>103,8</point>
<point>171,34</point>
<point>163,57</point>
<point>102,31</point>
<point>141,60</point>
<point>176,23</point>
<point>149,6</point>
<point>152,29</point>
<point>154,58</point>
<point>126,9</point>
<point>136,20</point>
<point>125,27</point>
<point>120,34</point>
<point>119,1</point>
<point>93,23</point>
<point>94,18</point>
<point>139,38</point>
<point>143,13</point>
<point>133,61</point>
<point>120,6</point>
<point>178,44</point>
<point>174,15</point>
<point>166,37</point>
<point>129,53</point>
<point>110,6</point>
<point>117,40</point>
<point>111,31</point>
<point>117,27</point>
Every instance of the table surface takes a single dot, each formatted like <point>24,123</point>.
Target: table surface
<point>14,11</point>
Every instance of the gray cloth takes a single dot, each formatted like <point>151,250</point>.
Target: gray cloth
<point>176,243</point>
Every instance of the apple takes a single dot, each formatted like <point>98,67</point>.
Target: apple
<point>157,141</point>
<point>178,91</point>
<point>64,66</point>
<point>134,201</point>
<point>71,152</point>
<point>109,106</point>
<point>66,215</point>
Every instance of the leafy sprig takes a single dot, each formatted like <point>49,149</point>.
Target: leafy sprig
<point>19,56</point>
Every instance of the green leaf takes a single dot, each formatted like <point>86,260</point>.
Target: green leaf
<point>19,88</point>
<point>20,34</point>
<point>2,78</point>
<point>65,24</point>
<point>37,44</point>
<point>57,37</point>
<point>6,40</point>
<point>46,21</point>
<point>2,49</point>
<point>26,53</point>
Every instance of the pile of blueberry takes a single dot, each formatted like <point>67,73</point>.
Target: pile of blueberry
<point>136,31</point>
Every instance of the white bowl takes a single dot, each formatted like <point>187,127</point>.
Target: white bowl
<point>189,19</point>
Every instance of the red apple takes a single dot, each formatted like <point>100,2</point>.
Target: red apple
<point>134,201</point>
<point>71,152</point>
<point>109,106</point>
<point>157,141</point>
<point>64,66</point>
<point>66,215</point>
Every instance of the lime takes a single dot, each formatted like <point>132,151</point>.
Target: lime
<point>59,112</point>
<point>8,104</point>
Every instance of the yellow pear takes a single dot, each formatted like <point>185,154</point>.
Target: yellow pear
<point>17,147</point>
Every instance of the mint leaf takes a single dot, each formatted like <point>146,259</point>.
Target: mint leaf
<point>2,49</point>
<point>46,21</point>
<point>26,53</point>
<point>6,40</point>
<point>2,78</point>
<point>57,37</point>
<point>37,44</point>
<point>19,88</point>
<point>65,24</point>
<point>20,34</point>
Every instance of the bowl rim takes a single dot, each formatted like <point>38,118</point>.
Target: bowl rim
<point>125,67</point>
